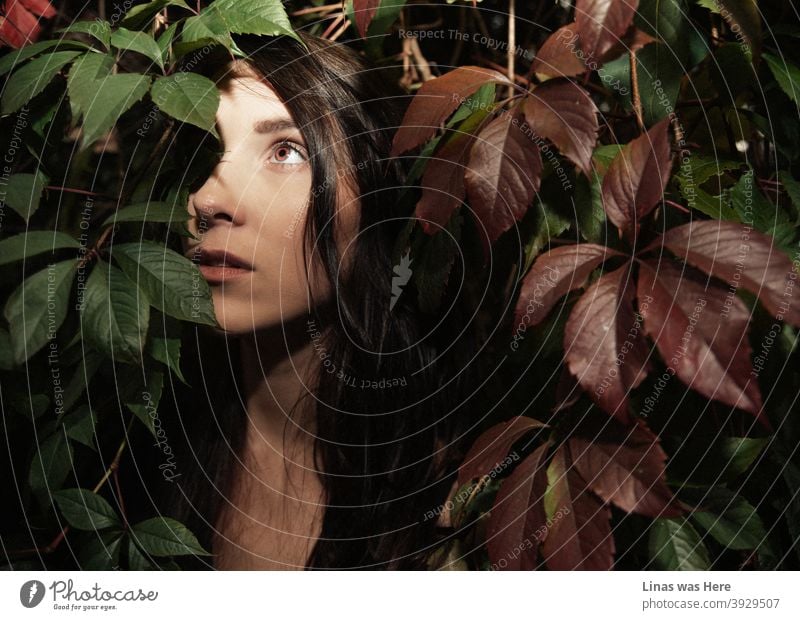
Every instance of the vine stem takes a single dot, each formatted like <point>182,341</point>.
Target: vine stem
<point>637,99</point>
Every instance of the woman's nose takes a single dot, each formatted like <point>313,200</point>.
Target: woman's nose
<point>216,201</point>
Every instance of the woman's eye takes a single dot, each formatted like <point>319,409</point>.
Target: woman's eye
<point>288,153</point>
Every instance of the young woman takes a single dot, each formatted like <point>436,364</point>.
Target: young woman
<point>327,418</point>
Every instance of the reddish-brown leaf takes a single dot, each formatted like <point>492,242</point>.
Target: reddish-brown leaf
<point>602,23</point>
<point>603,342</point>
<point>636,179</point>
<point>625,466</point>
<point>517,521</point>
<point>19,23</point>
<point>364,12</point>
<point>560,54</point>
<point>553,275</point>
<point>443,188</point>
<point>740,256</point>
<point>491,449</point>
<point>700,329</point>
<point>579,537</point>
<point>436,100</point>
<point>563,112</point>
<point>503,175</point>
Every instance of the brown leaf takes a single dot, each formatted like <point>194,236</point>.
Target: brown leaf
<point>633,40</point>
<point>516,524</point>
<point>579,537</point>
<point>625,466</point>
<point>492,448</point>
<point>700,329</point>
<point>560,54</point>
<point>636,178</point>
<point>553,275</point>
<point>436,100</point>
<point>603,342</point>
<point>503,174</point>
<point>364,12</point>
<point>443,188</point>
<point>563,112</point>
<point>602,23</point>
<point>739,256</point>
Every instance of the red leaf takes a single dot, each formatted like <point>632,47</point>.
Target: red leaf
<point>443,188</point>
<point>603,342</point>
<point>564,113</point>
<point>436,100</point>
<point>555,274</point>
<point>515,527</point>
<point>503,174</point>
<point>19,24</point>
<point>635,181</point>
<point>580,535</point>
<point>560,54</point>
<point>625,466</point>
<point>39,7</point>
<point>740,256</point>
<point>700,329</point>
<point>602,23</point>
<point>493,446</point>
<point>364,12</point>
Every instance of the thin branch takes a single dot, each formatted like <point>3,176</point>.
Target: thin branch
<point>637,100</point>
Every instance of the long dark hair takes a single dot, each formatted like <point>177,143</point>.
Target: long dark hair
<point>387,453</point>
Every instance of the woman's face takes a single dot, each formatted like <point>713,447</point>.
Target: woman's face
<point>250,213</point>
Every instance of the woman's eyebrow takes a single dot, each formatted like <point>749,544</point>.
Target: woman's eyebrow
<point>273,125</point>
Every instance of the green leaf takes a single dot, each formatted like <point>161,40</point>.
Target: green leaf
<point>675,545</point>
<point>139,17</point>
<point>30,80</point>
<point>163,537</point>
<point>85,510</point>
<point>208,27</point>
<point>739,453</point>
<point>173,283</point>
<point>25,245</point>
<point>14,58</point>
<point>481,100</point>
<point>136,559</point>
<point>24,191</point>
<point>83,74</point>
<point>101,552</point>
<point>88,364</point>
<point>588,206</point>
<point>149,212</point>
<point>792,188</point>
<point>266,17</point>
<point>549,224</point>
<point>165,40</point>
<point>80,426</point>
<point>51,464</point>
<point>36,309</point>
<point>147,411</point>
<point>731,519</point>
<point>786,74</point>
<point>188,97</point>
<point>140,42</point>
<point>113,96</point>
<point>115,313</point>
<point>168,352</point>
<point>755,209</point>
<point>693,173</point>
<point>97,28</point>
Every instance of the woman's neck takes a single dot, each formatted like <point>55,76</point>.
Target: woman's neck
<point>277,389</point>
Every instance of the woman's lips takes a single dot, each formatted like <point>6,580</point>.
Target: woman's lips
<point>217,266</point>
